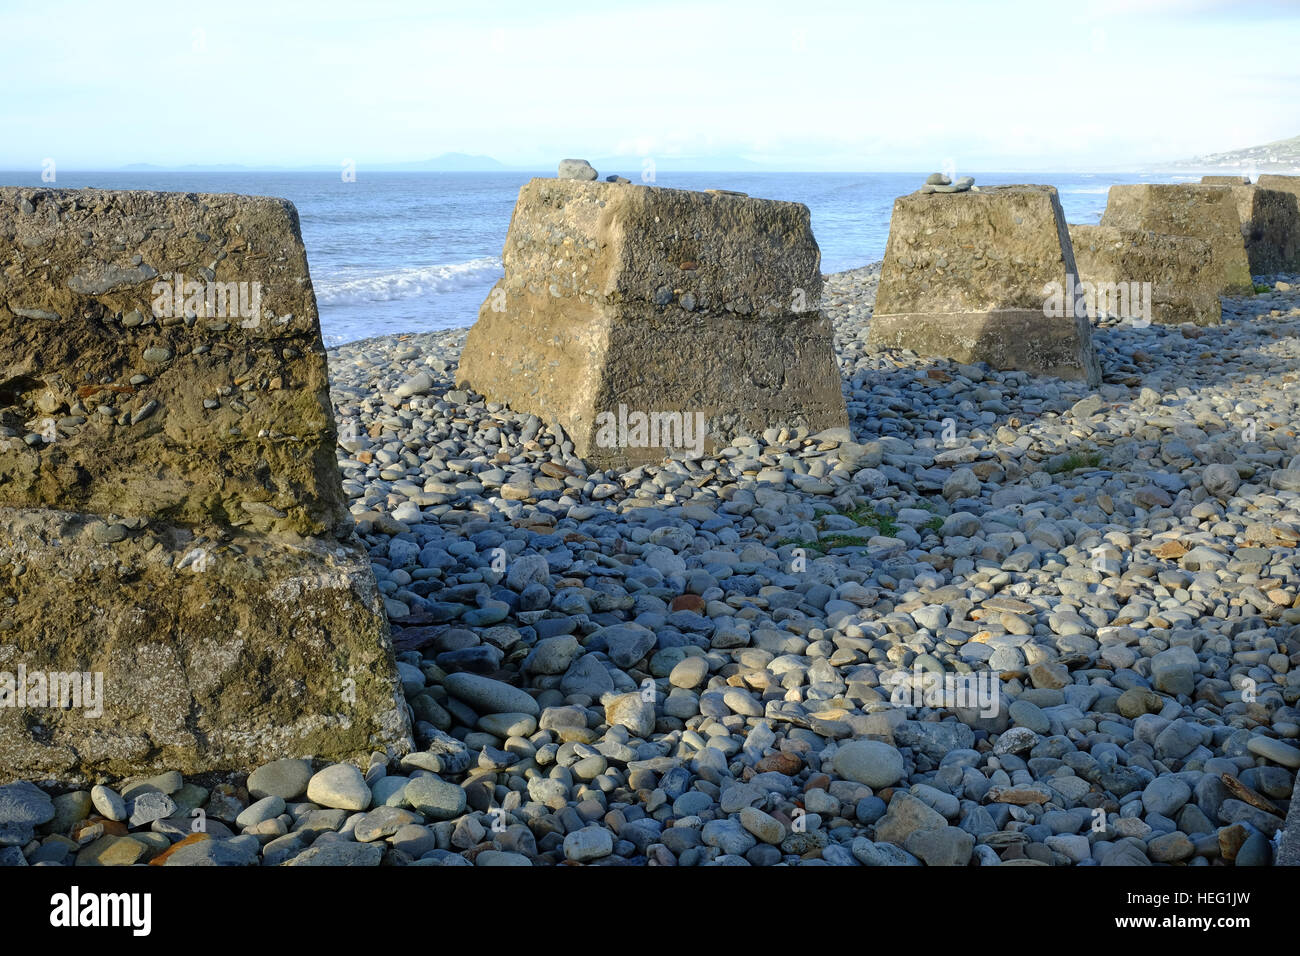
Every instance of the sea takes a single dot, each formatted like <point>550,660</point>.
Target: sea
<point>394,252</point>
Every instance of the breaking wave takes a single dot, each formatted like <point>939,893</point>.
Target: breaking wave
<point>407,283</point>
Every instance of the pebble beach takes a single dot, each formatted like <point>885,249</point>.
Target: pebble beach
<point>700,662</point>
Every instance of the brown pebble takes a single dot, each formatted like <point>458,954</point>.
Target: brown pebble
<point>1230,840</point>
<point>788,764</point>
<point>688,602</point>
<point>818,781</point>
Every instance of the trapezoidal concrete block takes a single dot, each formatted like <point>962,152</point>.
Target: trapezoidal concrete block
<point>1205,212</point>
<point>966,276</point>
<point>190,653</point>
<point>1288,184</point>
<point>165,350</point>
<point>1171,275</point>
<point>172,526</point>
<point>646,320</point>
<point>1270,227</point>
<point>1270,222</point>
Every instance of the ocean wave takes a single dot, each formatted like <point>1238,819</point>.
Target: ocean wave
<point>407,283</point>
<point>1086,190</point>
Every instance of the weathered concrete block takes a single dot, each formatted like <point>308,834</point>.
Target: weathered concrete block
<point>109,390</point>
<point>966,277</point>
<point>199,655</point>
<point>1288,184</point>
<point>1270,221</point>
<point>1206,212</point>
<point>1270,227</point>
<point>619,300</point>
<point>172,526</point>
<point>1173,270</point>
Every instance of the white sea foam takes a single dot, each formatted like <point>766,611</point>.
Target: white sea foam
<point>406,283</point>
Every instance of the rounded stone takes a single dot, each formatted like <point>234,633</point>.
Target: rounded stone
<point>508,725</point>
<point>575,169</point>
<point>339,786</point>
<point>1137,701</point>
<point>23,804</point>
<point>286,779</point>
<point>689,672</point>
<point>501,858</point>
<point>1028,715</point>
<point>435,798</point>
<point>766,827</point>
<point>872,762</point>
<point>150,806</point>
<point>1220,480</point>
<point>1164,796</point>
<point>1274,750</point>
<point>632,712</point>
<point>267,808</point>
<point>1255,851</point>
<point>108,803</point>
<point>488,696</point>
<point>1170,847</point>
<point>588,843</point>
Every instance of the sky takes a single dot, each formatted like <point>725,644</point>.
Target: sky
<point>856,86</point>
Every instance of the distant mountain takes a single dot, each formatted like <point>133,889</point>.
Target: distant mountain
<point>632,166</point>
<point>1282,156</point>
<point>450,163</point>
<point>447,162</point>
<point>197,168</point>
